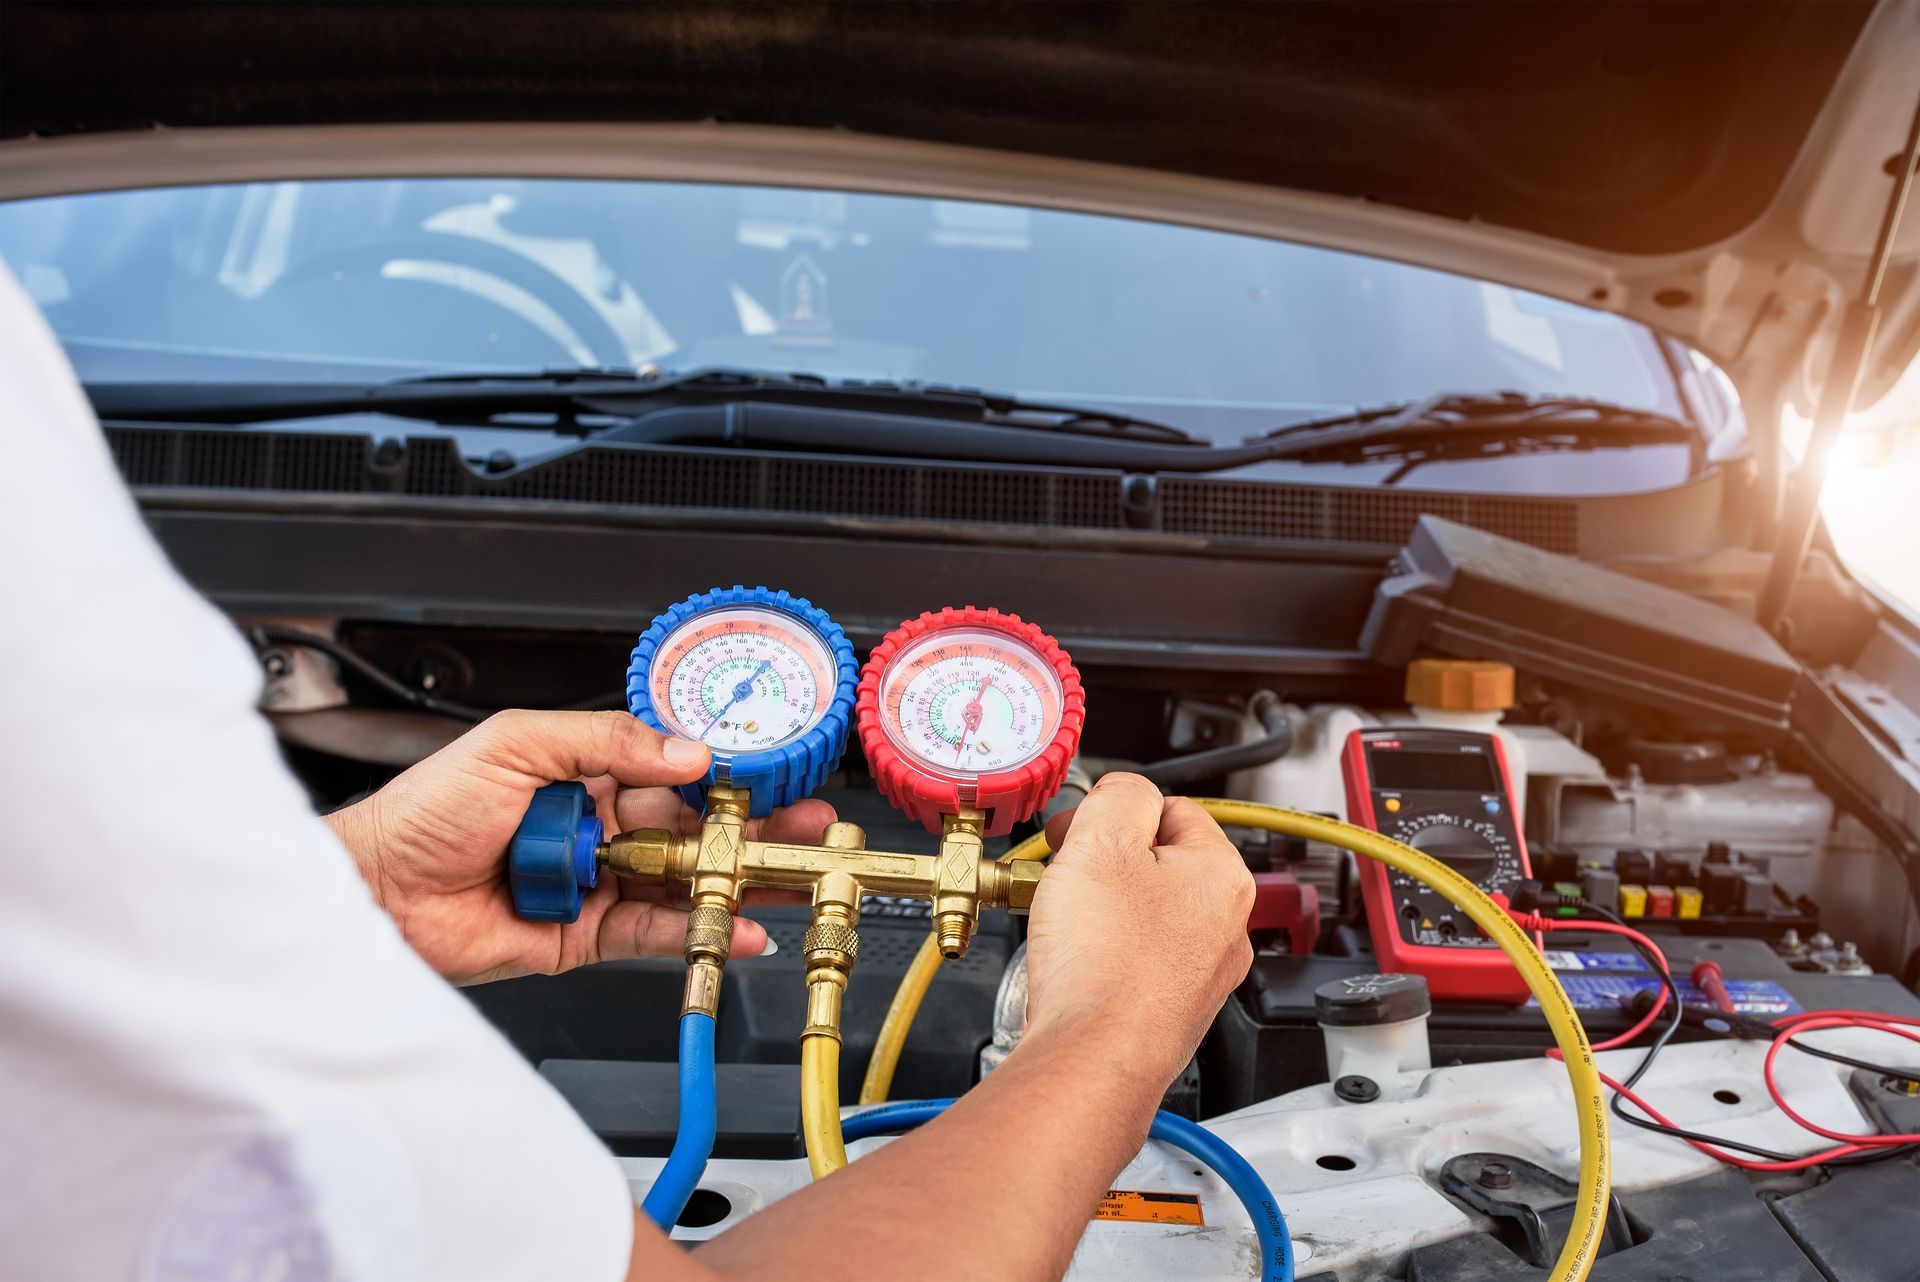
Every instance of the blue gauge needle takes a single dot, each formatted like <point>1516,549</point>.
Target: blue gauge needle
<point>741,689</point>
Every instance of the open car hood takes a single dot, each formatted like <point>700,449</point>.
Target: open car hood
<point>1717,170</point>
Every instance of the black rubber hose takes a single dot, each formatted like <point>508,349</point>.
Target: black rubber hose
<point>1175,772</point>
<point>270,635</point>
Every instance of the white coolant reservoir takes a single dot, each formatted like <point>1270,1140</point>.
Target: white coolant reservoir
<point>1308,777</point>
<point>1375,1028</point>
<point>1470,694</point>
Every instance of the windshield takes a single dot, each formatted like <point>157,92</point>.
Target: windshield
<point>363,280</point>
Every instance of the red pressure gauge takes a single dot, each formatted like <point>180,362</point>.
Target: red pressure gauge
<point>969,710</point>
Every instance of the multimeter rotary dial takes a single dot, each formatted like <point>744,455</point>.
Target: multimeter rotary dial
<point>1475,848</point>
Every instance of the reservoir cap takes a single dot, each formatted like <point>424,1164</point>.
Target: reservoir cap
<point>1362,1000</point>
<point>1460,685</point>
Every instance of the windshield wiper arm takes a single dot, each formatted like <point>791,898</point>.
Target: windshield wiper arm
<point>1456,424</point>
<point>1463,413</point>
<point>1417,431</point>
<point>477,398</point>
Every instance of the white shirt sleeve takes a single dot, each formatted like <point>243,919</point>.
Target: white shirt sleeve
<point>218,1058</point>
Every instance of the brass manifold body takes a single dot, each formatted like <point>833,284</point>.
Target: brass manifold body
<point>719,862</point>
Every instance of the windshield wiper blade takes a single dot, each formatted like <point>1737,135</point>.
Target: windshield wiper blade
<point>477,398</point>
<point>1460,416</point>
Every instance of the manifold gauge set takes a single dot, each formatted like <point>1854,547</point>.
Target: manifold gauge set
<point>961,710</point>
<point>968,719</point>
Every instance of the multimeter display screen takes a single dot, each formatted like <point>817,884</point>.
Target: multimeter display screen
<point>1400,771</point>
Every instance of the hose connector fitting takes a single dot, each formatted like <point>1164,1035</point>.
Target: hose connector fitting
<point>830,947</point>
<point>709,944</point>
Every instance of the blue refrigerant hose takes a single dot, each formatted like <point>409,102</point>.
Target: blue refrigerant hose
<point>1276,1247</point>
<point>698,1122</point>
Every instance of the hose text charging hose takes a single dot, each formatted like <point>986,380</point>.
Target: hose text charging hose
<point>1589,1212</point>
<point>698,1122</point>
<point>1276,1247</point>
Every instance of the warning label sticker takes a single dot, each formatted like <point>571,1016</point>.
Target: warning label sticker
<point>1149,1208</point>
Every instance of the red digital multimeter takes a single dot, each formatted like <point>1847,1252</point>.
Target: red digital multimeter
<point>1446,793</point>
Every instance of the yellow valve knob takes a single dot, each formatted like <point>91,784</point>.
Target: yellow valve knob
<point>1460,685</point>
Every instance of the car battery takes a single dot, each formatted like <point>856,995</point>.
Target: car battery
<point>1268,1041</point>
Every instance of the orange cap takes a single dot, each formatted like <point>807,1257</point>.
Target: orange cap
<point>1460,685</point>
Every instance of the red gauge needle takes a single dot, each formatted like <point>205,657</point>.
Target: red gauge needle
<point>970,717</point>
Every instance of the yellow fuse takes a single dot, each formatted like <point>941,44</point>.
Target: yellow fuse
<point>1633,901</point>
<point>1686,901</point>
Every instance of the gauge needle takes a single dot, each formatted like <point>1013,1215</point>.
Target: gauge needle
<point>741,689</point>
<point>970,717</point>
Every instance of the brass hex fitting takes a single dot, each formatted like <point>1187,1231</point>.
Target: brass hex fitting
<point>649,856</point>
<point>1012,882</point>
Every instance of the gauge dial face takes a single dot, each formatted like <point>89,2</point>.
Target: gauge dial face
<point>970,701</point>
<point>741,679</point>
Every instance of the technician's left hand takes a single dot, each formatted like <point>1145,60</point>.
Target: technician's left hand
<point>432,844</point>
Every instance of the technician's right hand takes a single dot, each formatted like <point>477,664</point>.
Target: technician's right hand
<point>1139,928</point>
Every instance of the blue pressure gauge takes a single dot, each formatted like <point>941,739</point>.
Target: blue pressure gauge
<point>765,679</point>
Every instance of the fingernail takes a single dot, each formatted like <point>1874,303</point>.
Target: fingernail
<point>770,949</point>
<point>684,754</point>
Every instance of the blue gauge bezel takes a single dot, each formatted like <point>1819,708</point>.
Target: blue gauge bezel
<point>773,776</point>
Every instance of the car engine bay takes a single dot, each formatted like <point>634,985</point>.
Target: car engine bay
<point>1381,424</point>
<point>1650,737</point>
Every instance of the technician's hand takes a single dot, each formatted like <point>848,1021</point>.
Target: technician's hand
<point>432,844</point>
<point>1139,928</point>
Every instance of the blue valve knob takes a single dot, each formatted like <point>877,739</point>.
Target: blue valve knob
<point>722,663</point>
<point>551,862</point>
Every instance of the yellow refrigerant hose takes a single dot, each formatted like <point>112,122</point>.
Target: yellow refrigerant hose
<point>822,1126</point>
<point>820,1104</point>
<point>893,1030</point>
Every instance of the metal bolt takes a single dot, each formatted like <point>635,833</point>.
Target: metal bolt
<point>1355,1089</point>
<point>277,663</point>
<point>1496,1175</point>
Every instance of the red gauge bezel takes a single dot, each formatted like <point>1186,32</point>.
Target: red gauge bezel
<point>1006,797</point>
